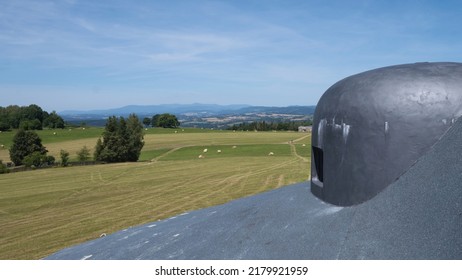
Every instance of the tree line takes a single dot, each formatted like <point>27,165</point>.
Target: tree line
<point>121,141</point>
<point>30,117</point>
<point>270,126</point>
<point>27,149</point>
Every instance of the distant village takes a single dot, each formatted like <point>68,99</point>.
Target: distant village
<point>302,123</point>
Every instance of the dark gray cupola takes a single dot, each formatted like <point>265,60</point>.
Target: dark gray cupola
<point>371,127</point>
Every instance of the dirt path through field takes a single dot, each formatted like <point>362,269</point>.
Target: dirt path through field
<point>166,154</point>
<point>301,138</point>
<point>294,149</point>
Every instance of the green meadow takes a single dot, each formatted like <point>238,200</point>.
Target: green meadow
<point>43,211</point>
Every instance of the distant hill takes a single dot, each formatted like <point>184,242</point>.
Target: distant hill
<point>158,109</point>
<point>197,115</point>
<point>180,109</point>
<point>289,110</point>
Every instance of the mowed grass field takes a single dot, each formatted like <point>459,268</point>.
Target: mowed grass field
<point>46,210</point>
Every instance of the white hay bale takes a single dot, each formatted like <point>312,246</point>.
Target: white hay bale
<point>271,154</point>
<point>54,133</point>
<point>303,145</point>
<point>234,147</point>
<point>201,156</point>
<point>205,150</point>
<point>176,131</point>
<point>218,151</point>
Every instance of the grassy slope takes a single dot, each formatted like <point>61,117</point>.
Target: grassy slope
<point>155,139</point>
<point>46,210</point>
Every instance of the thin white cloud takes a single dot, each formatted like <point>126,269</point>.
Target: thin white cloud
<point>172,57</point>
<point>215,46</point>
<point>84,24</point>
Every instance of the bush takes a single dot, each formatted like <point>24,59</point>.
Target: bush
<point>83,154</point>
<point>36,159</point>
<point>3,168</point>
<point>64,157</point>
<point>50,160</point>
<point>33,159</point>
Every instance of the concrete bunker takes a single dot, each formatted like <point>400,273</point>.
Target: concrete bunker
<point>371,127</point>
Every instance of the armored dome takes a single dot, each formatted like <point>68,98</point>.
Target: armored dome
<point>369,128</point>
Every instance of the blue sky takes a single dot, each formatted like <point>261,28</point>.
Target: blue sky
<point>104,54</point>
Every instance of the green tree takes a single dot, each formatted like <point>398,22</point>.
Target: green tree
<point>98,150</point>
<point>155,120</point>
<point>121,147</point>
<point>33,112</point>
<point>122,140</point>
<point>30,124</point>
<point>53,120</point>
<point>147,121</point>
<point>25,143</point>
<point>83,154</point>
<point>167,121</point>
<point>4,123</point>
<point>64,157</point>
<point>4,126</point>
<point>136,137</point>
<point>13,114</point>
<point>33,115</point>
<point>108,149</point>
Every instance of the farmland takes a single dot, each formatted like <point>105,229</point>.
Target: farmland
<point>45,210</point>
